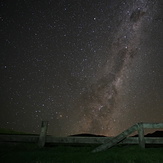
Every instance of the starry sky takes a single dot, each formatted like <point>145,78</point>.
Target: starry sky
<point>90,66</point>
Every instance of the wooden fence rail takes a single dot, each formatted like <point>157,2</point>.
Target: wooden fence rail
<point>75,140</point>
<point>153,125</point>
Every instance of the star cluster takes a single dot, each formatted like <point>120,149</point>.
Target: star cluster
<point>84,66</point>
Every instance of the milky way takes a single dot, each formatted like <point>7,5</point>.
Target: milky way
<point>100,104</point>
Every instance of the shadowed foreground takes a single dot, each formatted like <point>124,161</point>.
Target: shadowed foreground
<point>10,153</point>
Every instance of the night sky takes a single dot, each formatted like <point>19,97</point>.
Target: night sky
<point>90,66</point>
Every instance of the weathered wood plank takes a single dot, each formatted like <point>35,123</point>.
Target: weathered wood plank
<point>43,132</point>
<point>155,140</point>
<point>141,135</point>
<point>153,125</point>
<point>109,143</point>
<point>76,140</point>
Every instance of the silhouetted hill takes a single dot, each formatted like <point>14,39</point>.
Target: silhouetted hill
<point>10,131</point>
<point>88,135</point>
<point>154,134</point>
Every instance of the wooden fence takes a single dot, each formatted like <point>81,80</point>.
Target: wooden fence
<point>103,142</point>
<point>139,127</point>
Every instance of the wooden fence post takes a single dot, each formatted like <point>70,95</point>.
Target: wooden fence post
<point>141,135</point>
<point>42,137</point>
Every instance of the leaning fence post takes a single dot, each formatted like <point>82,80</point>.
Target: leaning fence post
<point>141,135</point>
<point>42,137</point>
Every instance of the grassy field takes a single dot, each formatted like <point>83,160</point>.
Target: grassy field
<point>9,131</point>
<point>30,153</point>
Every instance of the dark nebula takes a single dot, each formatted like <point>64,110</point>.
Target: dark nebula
<point>136,15</point>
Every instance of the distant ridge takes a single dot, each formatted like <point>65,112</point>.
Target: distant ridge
<point>87,135</point>
<point>9,131</point>
<point>154,134</point>
<point>12,132</point>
